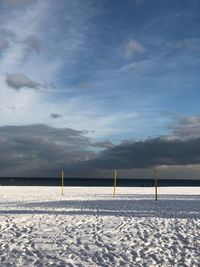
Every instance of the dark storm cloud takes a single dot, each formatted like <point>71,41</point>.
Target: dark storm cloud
<point>55,116</point>
<point>18,81</point>
<point>149,153</point>
<point>27,150</point>
<point>39,150</point>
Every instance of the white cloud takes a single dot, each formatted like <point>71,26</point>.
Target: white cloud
<point>133,47</point>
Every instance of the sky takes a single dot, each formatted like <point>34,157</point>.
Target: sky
<point>95,85</point>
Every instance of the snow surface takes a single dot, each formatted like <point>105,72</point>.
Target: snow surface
<point>90,227</point>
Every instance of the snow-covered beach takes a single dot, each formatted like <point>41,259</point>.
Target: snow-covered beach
<point>90,227</point>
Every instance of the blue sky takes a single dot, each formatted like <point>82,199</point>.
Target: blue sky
<point>117,70</point>
<point>130,64</point>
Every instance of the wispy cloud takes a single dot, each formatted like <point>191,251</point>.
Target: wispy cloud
<point>189,44</point>
<point>3,44</point>
<point>33,44</point>
<point>84,85</point>
<point>44,52</point>
<point>139,2</point>
<point>133,47</point>
<point>16,3</point>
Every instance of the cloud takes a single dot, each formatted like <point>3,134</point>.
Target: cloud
<point>136,2</point>
<point>133,47</point>
<point>84,85</point>
<point>139,2</point>
<point>33,44</point>
<point>7,39</point>
<point>18,81</point>
<point>191,44</point>
<point>186,127</point>
<point>16,3</point>
<point>149,153</point>
<point>105,144</point>
<point>61,31</point>
<point>41,149</point>
<point>55,115</point>
<point>3,44</point>
<point>25,46</point>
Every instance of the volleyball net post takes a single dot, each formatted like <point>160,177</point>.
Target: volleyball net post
<point>115,182</point>
<point>62,177</point>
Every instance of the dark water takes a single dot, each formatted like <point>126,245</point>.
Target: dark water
<point>94,182</point>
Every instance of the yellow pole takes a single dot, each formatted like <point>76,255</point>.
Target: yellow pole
<point>62,183</point>
<point>115,182</point>
<point>156,185</point>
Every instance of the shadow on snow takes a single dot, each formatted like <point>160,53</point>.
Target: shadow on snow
<point>167,207</point>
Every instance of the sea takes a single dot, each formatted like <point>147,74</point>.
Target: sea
<point>108,182</point>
